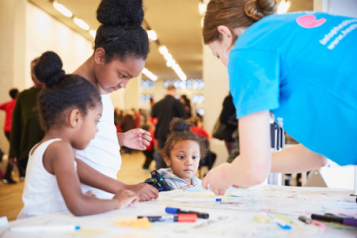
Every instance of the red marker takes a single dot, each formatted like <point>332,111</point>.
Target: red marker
<point>172,218</point>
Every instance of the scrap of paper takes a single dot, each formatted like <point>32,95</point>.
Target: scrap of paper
<point>86,232</point>
<point>136,224</point>
<point>283,218</point>
<point>261,219</point>
<point>340,206</point>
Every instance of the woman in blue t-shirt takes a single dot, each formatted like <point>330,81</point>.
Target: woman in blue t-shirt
<point>300,66</point>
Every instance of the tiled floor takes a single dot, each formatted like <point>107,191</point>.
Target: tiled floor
<point>130,173</point>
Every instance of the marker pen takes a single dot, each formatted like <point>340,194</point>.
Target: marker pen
<point>42,229</point>
<point>312,222</point>
<point>335,219</point>
<point>277,221</point>
<point>197,199</point>
<point>172,218</point>
<point>173,210</point>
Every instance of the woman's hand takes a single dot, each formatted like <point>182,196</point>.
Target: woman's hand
<point>219,179</point>
<point>135,139</point>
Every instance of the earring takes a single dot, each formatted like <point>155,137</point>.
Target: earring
<point>225,51</point>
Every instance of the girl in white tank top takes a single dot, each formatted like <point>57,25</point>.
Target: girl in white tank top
<point>70,107</point>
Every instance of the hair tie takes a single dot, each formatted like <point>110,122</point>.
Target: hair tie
<point>258,6</point>
<point>249,13</point>
<point>111,39</point>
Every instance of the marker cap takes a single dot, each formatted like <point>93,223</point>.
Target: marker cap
<point>171,210</point>
<point>187,217</point>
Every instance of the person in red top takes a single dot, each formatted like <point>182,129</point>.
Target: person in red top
<point>8,107</point>
<point>197,127</point>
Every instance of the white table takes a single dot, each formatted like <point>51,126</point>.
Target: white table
<point>226,220</point>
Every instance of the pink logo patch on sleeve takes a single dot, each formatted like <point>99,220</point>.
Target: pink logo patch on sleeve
<point>309,21</point>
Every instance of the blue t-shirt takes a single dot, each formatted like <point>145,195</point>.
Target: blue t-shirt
<point>302,67</point>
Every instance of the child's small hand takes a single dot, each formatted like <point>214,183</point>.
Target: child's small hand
<point>187,186</point>
<point>89,194</point>
<point>145,191</point>
<point>126,198</point>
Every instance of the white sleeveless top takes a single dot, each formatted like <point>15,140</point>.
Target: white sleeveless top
<point>103,152</point>
<point>41,193</point>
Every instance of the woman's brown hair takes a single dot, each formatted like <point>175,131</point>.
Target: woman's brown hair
<point>234,14</point>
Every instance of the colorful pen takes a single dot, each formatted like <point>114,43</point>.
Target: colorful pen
<point>277,221</point>
<point>312,222</point>
<point>172,210</point>
<point>335,219</point>
<point>172,218</point>
<point>197,199</point>
<point>42,229</point>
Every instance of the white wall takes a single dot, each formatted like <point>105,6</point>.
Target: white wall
<point>30,32</point>
<point>343,7</point>
<point>43,33</point>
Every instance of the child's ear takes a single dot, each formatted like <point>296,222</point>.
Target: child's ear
<point>99,56</point>
<point>74,118</point>
<point>167,160</point>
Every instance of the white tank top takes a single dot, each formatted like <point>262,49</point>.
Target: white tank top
<point>103,152</point>
<point>41,193</point>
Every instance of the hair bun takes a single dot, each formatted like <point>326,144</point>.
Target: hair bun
<point>257,9</point>
<point>178,124</point>
<point>120,12</point>
<point>49,69</point>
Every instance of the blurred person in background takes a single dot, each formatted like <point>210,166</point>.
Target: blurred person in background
<point>25,129</point>
<point>8,107</point>
<point>165,110</point>
<point>127,124</point>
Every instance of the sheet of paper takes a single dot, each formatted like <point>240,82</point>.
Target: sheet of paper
<point>86,232</point>
<point>136,224</point>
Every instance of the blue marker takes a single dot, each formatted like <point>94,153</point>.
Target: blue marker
<point>172,210</point>
<point>197,199</point>
<point>277,221</point>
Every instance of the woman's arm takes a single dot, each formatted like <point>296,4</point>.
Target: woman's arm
<point>296,159</point>
<point>59,160</point>
<point>254,163</point>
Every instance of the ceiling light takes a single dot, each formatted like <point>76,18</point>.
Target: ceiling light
<point>202,8</point>
<point>62,9</point>
<point>170,63</point>
<point>152,35</point>
<point>168,57</point>
<point>152,76</point>
<point>93,33</point>
<point>283,6</point>
<point>163,50</point>
<point>81,23</point>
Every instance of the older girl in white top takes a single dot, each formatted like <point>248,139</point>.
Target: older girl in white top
<point>70,108</point>
<point>120,50</point>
